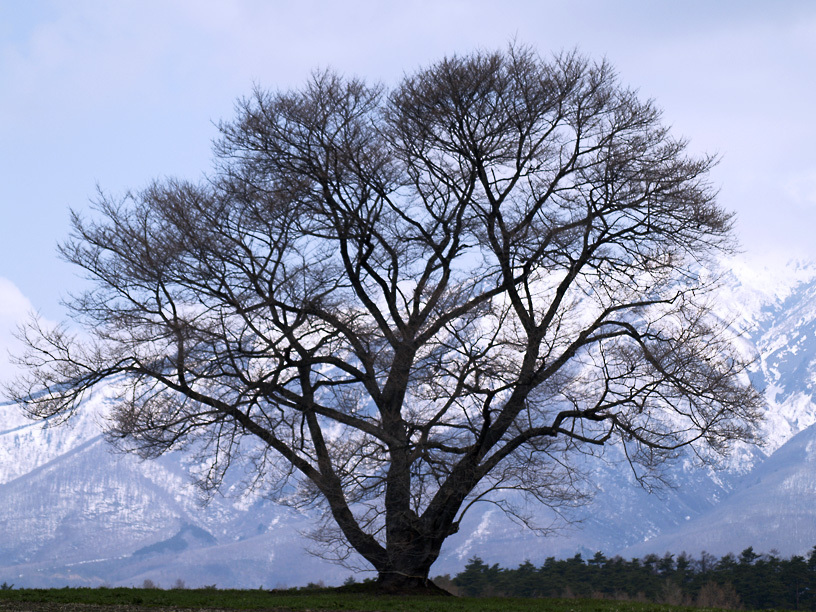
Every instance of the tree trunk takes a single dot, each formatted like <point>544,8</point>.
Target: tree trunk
<point>408,583</point>
<point>411,553</point>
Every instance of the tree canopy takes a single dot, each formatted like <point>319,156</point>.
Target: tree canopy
<point>396,302</point>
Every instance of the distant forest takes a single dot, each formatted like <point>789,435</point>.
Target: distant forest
<point>749,580</point>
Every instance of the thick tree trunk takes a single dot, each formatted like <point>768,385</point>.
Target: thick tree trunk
<point>399,583</point>
<point>411,553</point>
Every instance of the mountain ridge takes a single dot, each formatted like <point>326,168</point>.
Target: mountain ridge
<point>72,511</point>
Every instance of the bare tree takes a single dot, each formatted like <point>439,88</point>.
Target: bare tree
<point>396,303</point>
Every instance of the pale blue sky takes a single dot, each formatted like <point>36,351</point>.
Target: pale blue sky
<point>118,92</point>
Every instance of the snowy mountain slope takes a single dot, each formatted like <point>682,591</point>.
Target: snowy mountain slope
<point>72,512</point>
<point>772,508</point>
<point>775,311</point>
<point>620,515</point>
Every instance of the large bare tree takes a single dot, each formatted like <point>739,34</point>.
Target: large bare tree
<point>397,302</point>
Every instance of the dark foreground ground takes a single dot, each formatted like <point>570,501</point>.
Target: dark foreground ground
<point>155,600</point>
<point>44,606</point>
<point>504,606</point>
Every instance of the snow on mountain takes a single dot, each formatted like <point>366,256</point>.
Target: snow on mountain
<point>774,312</point>
<point>771,508</point>
<point>74,512</point>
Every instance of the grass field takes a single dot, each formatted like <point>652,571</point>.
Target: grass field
<point>54,600</point>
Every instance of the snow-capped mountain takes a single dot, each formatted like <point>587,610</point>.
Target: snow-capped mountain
<point>73,512</point>
<point>774,312</point>
<point>771,508</point>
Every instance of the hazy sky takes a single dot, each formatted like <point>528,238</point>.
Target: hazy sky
<point>115,93</point>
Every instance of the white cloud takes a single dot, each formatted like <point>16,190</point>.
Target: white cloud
<point>14,308</point>
<point>801,189</point>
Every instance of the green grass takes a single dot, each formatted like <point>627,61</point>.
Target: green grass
<point>323,599</point>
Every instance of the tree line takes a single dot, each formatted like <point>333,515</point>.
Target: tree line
<point>749,580</point>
